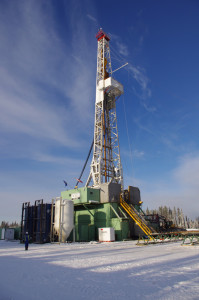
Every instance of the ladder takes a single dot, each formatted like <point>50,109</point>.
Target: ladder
<point>133,213</point>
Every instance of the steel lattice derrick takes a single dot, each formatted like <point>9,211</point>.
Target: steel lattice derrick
<point>106,163</point>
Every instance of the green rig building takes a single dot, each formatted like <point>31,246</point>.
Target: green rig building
<point>101,208</point>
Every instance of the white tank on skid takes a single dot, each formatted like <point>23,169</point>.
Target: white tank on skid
<point>64,218</point>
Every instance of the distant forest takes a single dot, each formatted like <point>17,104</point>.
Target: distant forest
<point>5,224</point>
<point>175,215</point>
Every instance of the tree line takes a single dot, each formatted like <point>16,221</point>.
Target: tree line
<point>176,215</point>
<point>5,224</point>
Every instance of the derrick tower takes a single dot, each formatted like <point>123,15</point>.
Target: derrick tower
<point>106,164</point>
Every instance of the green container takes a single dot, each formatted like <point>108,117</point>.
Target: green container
<point>17,233</point>
<point>82,195</point>
<point>0,232</point>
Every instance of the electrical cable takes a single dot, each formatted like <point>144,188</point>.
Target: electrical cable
<point>85,163</point>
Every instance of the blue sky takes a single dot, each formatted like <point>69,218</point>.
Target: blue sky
<point>47,95</point>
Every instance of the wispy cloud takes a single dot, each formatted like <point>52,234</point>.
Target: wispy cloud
<point>187,172</point>
<point>47,90</point>
<point>170,142</point>
<point>134,154</point>
<point>141,40</point>
<point>140,83</point>
<point>138,154</point>
<point>140,87</point>
<point>92,18</point>
<point>148,107</point>
<point>122,48</point>
<point>22,112</point>
<point>45,82</point>
<point>141,125</point>
<point>142,80</point>
<point>47,158</point>
<point>172,131</point>
<point>179,188</point>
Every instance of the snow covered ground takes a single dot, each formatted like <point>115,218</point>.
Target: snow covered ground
<point>119,270</point>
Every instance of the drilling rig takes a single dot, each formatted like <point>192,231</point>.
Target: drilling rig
<point>106,163</point>
<point>83,213</point>
<point>103,202</point>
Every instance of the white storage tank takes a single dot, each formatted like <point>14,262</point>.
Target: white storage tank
<point>67,219</point>
<point>106,234</point>
<point>2,234</point>
<point>64,218</point>
<point>57,215</point>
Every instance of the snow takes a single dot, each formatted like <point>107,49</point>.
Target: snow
<point>118,270</point>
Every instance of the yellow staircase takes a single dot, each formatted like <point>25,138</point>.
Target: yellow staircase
<point>133,213</point>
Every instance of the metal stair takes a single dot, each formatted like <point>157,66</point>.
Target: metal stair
<point>141,215</point>
<point>134,214</point>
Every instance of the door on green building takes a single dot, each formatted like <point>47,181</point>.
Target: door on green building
<point>83,234</point>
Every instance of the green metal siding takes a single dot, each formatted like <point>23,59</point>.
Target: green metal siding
<point>88,218</point>
<point>86,195</point>
<point>121,229</point>
<point>0,232</point>
<point>17,233</point>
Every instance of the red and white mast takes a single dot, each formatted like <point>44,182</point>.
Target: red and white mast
<point>106,164</point>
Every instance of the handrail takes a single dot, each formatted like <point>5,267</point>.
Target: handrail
<point>135,216</point>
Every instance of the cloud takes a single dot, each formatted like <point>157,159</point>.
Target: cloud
<point>92,18</point>
<point>45,82</point>
<point>138,154</point>
<point>22,112</point>
<point>179,188</point>
<point>142,89</point>
<point>140,77</point>
<point>187,173</point>
<point>119,48</point>
<point>122,48</point>
<point>134,154</point>
<point>47,90</point>
<point>141,40</point>
<point>142,126</point>
<point>140,85</point>
<point>69,162</point>
<point>170,142</point>
<point>147,107</point>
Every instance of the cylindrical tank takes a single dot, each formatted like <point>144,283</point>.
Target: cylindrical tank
<point>2,237</point>
<point>57,216</point>
<point>64,224</point>
<point>67,218</point>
